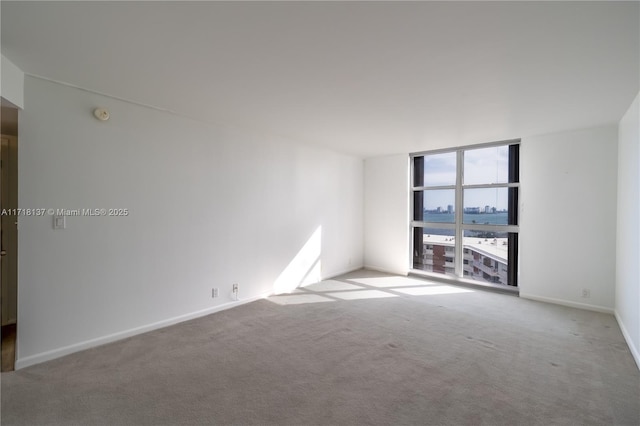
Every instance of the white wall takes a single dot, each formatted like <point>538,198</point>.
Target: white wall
<point>627,306</point>
<point>11,82</point>
<point>568,217</point>
<point>209,207</point>
<point>386,219</point>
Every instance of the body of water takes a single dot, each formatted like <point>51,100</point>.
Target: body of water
<point>482,219</point>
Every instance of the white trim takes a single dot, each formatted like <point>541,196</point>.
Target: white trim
<point>458,265</point>
<point>437,225</point>
<point>386,270</point>
<point>76,347</point>
<point>516,141</point>
<point>568,303</point>
<point>634,351</point>
<point>11,82</point>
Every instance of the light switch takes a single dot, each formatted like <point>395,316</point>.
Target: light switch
<point>59,222</point>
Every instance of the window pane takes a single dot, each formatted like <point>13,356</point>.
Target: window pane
<point>486,165</point>
<point>489,256</point>
<point>434,250</point>
<point>486,256</point>
<point>488,206</point>
<point>434,205</point>
<point>440,169</point>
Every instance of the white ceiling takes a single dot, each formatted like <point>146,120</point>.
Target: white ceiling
<point>368,78</point>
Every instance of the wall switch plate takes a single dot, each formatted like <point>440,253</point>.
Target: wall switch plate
<point>59,222</point>
<point>214,292</point>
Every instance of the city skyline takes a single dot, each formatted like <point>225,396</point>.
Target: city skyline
<point>477,197</point>
<point>487,209</point>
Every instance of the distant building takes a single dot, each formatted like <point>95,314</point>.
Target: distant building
<point>439,210</point>
<point>487,209</point>
<point>449,208</point>
<point>481,263</point>
<point>472,210</point>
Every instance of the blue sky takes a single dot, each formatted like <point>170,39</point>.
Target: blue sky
<point>481,166</point>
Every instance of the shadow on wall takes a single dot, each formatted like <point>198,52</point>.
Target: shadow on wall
<point>305,268</point>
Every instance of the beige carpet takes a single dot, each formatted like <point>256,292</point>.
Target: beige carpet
<point>364,349</point>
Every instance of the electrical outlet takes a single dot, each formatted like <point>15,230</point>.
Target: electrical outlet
<point>214,292</point>
<point>234,291</point>
<point>586,293</point>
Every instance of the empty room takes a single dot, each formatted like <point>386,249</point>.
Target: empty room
<point>320,213</point>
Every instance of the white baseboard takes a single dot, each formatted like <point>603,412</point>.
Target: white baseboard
<point>634,351</point>
<point>386,270</point>
<point>87,344</point>
<point>568,303</point>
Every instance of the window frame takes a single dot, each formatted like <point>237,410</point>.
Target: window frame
<point>458,226</point>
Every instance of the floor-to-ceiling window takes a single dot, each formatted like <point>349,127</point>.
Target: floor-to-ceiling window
<point>465,212</point>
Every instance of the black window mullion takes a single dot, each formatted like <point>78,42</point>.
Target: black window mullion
<point>418,207</point>
<point>514,177</point>
<point>418,247</point>
<point>512,207</point>
<point>418,171</point>
<point>512,259</point>
<point>514,163</point>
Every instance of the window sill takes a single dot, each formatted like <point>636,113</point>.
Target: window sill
<point>448,279</point>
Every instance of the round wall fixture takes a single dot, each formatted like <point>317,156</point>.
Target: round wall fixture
<point>101,114</point>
